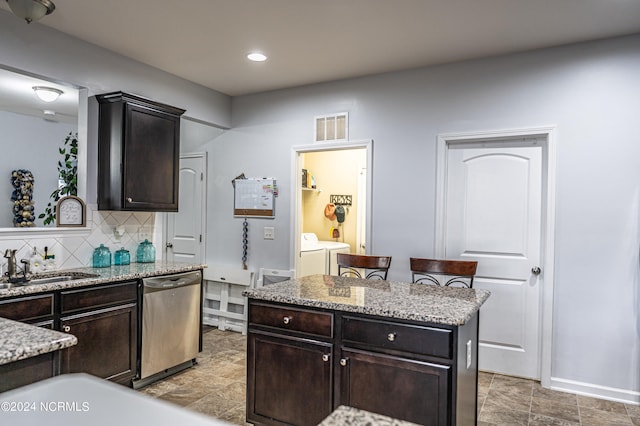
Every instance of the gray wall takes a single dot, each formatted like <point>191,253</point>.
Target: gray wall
<point>590,91</point>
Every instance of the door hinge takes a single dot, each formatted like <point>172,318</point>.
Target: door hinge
<point>200,237</point>
<point>201,176</point>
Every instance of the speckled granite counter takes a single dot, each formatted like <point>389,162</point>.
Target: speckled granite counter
<point>349,416</point>
<point>418,302</point>
<point>19,341</point>
<point>104,275</point>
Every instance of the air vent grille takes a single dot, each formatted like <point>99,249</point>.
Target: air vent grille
<point>333,127</point>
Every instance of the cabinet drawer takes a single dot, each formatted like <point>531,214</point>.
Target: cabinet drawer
<point>75,300</point>
<point>28,308</point>
<point>402,337</point>
<point>311,322</point>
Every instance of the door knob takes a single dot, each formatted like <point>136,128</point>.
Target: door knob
<point>536,270</point>
<point>169,245</point>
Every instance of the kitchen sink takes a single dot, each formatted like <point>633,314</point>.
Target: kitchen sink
<point>48,278</point>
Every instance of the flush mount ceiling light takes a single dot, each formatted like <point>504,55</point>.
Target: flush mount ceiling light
<point>31,10</point>
<point>47,94</point>
<point>256,57</point>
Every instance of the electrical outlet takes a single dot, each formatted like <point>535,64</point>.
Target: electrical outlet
<point>145,233</point>
<point>269,233</point>
<point>469,354</point>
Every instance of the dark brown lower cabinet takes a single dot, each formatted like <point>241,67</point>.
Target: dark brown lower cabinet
<point>290,380</point>
<point>26,371</point>
<point>401,388</point>
<point>106,343</point>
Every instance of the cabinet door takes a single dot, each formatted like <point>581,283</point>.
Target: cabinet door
<point>405,389</point>
<point>289,381</point>
<point>26,371</point>
<point>151,156</point>
<point>106,343</point>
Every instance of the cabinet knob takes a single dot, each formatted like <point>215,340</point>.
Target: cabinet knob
<point>391,337</point>
<point>287,320</point>
<point>66,328</point>
<point>344,361</point>
<point>325,357</point>
<point>129,199</point>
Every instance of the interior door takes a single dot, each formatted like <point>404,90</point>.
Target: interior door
<point>185,229</point>
<point>493,216</point>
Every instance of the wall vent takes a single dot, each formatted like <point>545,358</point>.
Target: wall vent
<point>332,127</point>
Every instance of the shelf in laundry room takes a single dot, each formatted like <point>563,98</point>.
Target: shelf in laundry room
<point>312,189</point>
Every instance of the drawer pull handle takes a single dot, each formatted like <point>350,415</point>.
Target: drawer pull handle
<point>66,328</point>
<point>343,362</point>
<point>287,320</point>
<point>325,357</point>
<point>391,337</point>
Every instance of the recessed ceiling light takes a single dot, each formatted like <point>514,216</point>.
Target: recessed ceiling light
<point>256,57</point>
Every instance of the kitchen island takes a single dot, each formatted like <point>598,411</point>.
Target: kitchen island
<point>406,351</point>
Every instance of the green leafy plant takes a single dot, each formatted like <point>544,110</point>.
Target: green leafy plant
<point>67,177</point>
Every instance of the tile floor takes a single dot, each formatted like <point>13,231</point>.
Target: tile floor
<point>216,387</point>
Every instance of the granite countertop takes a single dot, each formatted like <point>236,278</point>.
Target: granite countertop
<point>416,302</point>
<point>349,416</point>
<point>104,275</point>
<point>19,341</point>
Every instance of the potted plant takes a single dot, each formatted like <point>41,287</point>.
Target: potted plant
<point>67,177</point>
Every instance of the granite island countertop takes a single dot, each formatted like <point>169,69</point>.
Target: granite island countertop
<point>103,275</point>
<point>349,416</point>
<point>20,341</point>
<point>393,299</point>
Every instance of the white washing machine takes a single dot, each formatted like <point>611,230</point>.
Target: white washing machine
<point>313,257</point>
<point>332,249</point>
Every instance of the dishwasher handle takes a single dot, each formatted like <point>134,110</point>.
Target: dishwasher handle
<point>172,281</point>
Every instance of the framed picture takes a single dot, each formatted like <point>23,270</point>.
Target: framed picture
<point>71,211</point>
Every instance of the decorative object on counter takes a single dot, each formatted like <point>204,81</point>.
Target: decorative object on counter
<point>71,211</point>
<point>22,198</point>
<point>68,176</point>
<point>102,257</point>
<point>122,257</point>
<point>146,252</point>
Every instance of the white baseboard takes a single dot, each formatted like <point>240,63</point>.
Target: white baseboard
<point>596,391</point>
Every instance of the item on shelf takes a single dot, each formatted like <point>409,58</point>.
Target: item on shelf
<point>102,257</point>
<point>122,257</point>
<point>146,252</point>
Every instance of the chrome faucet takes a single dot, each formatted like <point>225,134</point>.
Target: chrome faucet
<point>12,267</point>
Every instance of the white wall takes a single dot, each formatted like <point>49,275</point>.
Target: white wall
<point>30,143</point>
<point>590,91</point>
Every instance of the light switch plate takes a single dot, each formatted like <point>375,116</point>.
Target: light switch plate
<point>269,233</point>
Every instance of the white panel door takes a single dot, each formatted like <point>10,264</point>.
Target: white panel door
<point>493,216</point>
<point>185,228</point>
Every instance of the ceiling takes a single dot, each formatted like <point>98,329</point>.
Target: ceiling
<point>312,41</point>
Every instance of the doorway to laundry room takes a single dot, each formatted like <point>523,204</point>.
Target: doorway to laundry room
<point>332,196</point>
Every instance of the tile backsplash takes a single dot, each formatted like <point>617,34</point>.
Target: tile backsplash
<point>114,229</point>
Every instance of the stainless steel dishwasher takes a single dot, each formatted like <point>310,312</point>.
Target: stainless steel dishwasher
<point>171,315</point>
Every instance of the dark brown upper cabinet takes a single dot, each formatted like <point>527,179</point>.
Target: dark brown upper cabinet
<point>138,154</point>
